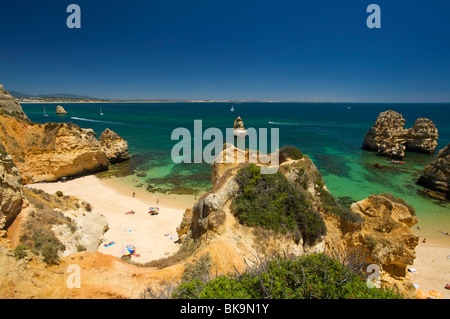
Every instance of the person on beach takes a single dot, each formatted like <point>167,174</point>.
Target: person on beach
<point>133,194</point>
<point>157,201</point>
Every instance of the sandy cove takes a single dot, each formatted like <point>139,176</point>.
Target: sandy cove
<point>153,236</point>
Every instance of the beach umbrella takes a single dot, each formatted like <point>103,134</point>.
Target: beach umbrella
<point>421,294</point>
<point>435,294</point>
<point>125,252</point>
<point>131,249</point>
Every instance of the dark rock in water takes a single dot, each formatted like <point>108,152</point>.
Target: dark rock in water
<point>388,137</point>
<point>436,175</point>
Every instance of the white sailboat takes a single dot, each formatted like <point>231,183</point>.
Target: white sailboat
<point>101,113</point>
<point>232,108</point>
<point>44,112</point>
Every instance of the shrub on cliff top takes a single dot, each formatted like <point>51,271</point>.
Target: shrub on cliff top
<point>271,202</point>
<point>315,276</point>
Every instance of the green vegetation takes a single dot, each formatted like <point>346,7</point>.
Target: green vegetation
<point>289,152</point>
<point>271,202</point>
<point>315,276</point>
<point>59,194</point>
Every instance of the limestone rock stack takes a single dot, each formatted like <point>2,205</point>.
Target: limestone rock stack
<point>436,175</point>
<point>238,127</point>
<point>60,110</point>
<point>388,137</point>
<point>115,147</point>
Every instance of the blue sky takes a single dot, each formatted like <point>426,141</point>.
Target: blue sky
<point>254,50</point>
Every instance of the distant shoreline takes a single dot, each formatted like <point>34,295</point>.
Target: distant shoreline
<point>214,101</point>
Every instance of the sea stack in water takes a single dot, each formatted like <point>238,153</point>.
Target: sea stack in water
<point>238,127</point>
<point>436,175</point>
<point>388,137</point>
<point>115,147</point>
<point>60,110</point>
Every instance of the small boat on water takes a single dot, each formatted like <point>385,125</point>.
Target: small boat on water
<point>397,162</point>
<point>101,113</point>
<point>232,108</point>
<point>45,113</point>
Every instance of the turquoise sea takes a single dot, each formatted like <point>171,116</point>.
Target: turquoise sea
<point>331,134</point>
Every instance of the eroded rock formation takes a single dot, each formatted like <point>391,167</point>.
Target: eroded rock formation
<point>388,137</point>
<point>436,175</point>
<point>238,127</point>
<point>60,110</point>
<point>48,152</point>
<point>383,233</point>
<point>9,106</point>
<point>115,147</point>
<point>11,195</point>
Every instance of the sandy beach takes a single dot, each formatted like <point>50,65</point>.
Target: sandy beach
<point>153,236</point>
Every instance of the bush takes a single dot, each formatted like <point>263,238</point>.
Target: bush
<point>315,276</point>
<point>59,194</point>
<point>273,203</point>
<point>20,251</point>
<point>290,152</point>
<point>199,269</point>
<point>50,253</point>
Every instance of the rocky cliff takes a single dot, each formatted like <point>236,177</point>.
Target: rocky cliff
<point>436,175</point>
<point>388,136</point>
<point>48,152</point>
<point>115,147</point>
<point>379,226</point>
<point>11,195</point>
<point>9,106</point>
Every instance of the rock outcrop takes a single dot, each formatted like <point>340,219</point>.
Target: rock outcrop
<point>386,239</point>
<point>238,127</point>
<point>9,106</point>
<point>115,147</point>
<point>436,175</point>
<point>382,233</point>
<point>47,152</point>
<point>11,195</point>
<point>388,137</point>
<point>60,110</point>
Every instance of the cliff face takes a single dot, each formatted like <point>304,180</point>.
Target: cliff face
<point>47,152</point>
<point>9,106</point>
<point>388,137</point>
<point>11,196</point>
<point>436,175</point>
<point>115,147</point>
<point>385,238</point>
